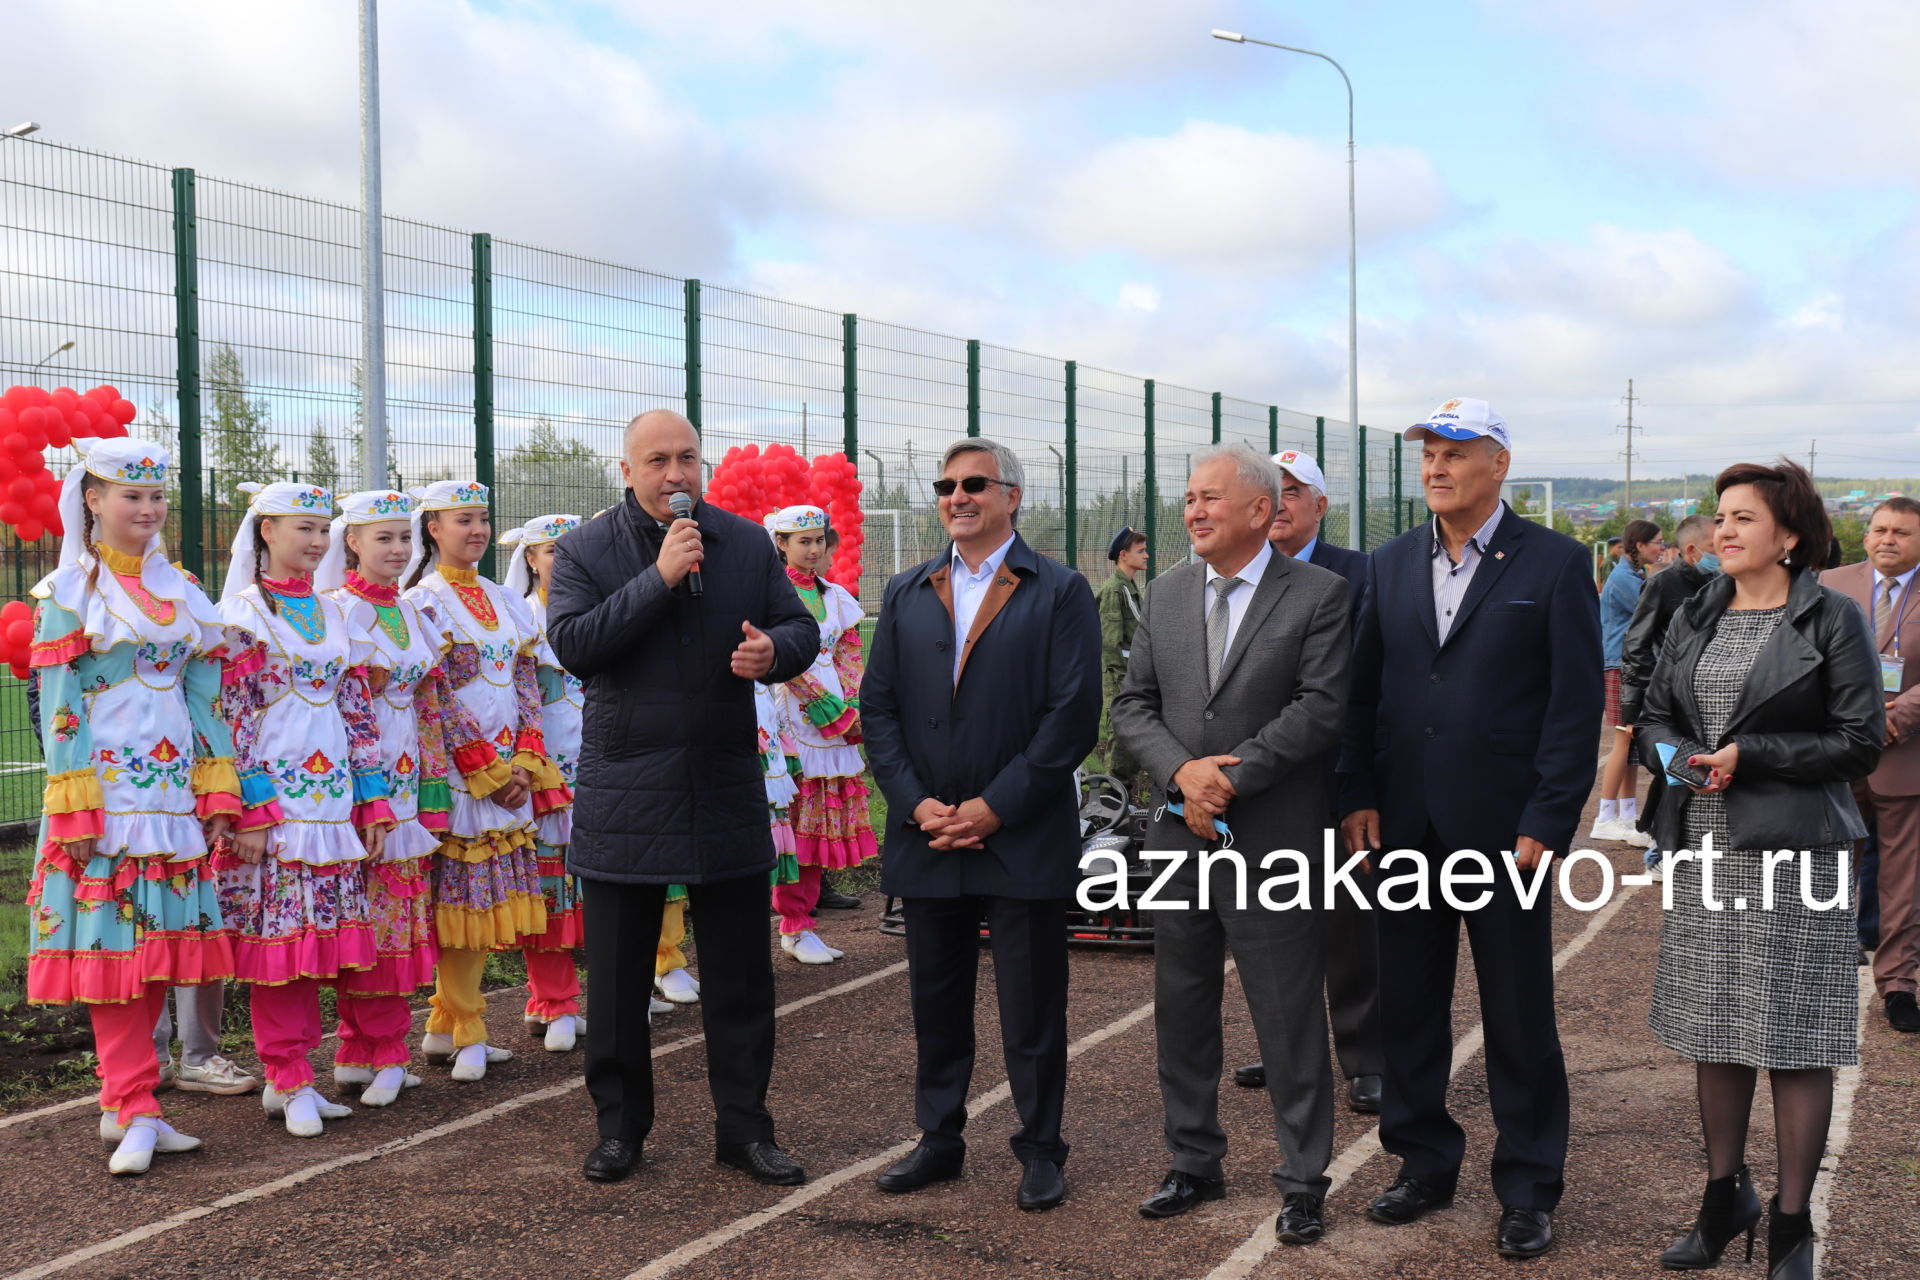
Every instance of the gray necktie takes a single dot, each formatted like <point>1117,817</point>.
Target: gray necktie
<point>1883,614</point>
<point>1217,617</point>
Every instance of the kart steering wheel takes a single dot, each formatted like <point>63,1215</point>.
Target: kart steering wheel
<point>1104,805</point>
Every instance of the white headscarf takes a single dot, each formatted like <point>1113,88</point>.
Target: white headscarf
<point>519,579</point>
<point>441,495</point>
<point>117,460</point>
<point>369,506</point>
<point>282,498</point>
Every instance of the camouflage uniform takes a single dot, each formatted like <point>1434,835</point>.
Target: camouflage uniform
<point>1119,599</point>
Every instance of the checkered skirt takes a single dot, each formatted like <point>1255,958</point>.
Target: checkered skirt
<point>1774,989</point>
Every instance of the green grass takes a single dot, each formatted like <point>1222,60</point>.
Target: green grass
<point>16,871</point>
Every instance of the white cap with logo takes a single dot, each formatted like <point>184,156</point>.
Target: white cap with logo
<point>1301,466</point>
<point>1463,419</point>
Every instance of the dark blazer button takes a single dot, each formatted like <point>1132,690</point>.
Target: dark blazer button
<point>941,645</point>
<point>1429,731</point>
<point>933,722</point>
<point>686,640</point>
<point>1209,715</point>
<point>1435,677</point>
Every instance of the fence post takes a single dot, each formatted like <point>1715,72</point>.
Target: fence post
<point>693,353</point>
<point>1273,428</point>
<point>1150,517</point>
<point>186,334</point>
<point>973,386</point>
<point>1216,417</point>
<point>483,469</point>
<point>1360,487</point>
<point>1320,442</point>
<point>850,387</point>
<point>1071,499</point>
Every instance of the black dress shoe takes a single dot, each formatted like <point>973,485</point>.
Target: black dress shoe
<point>1300,1220</point>
<point>1524,1233</point>
<point>1363,1095</point>
<point>1253,1076</point>
<point>834,900</point>
<point>921,1167</point>
<point>612,1160</point>
<point>1903,1012</point>
<point>1180,1192</point>
<point>1042,1186</point>
<point>1406,1201</point>
<point>762,1161</point>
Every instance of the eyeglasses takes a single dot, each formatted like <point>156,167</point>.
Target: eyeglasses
<point>972,484</point>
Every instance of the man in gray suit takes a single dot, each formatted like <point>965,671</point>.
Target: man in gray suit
<point>1234,692</point>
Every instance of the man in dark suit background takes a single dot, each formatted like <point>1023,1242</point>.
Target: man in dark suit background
<point>1475,683</point>
<point>1353,964</point>
<point>982,697</point>
<point>1239,736</point>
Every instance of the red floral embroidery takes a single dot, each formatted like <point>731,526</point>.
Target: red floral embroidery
<point>166,752</point>
<point>317,763</point>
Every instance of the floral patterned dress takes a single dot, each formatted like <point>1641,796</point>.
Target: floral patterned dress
<point>310,774</point>
<point>486,876</point>
<point>822,706</point>
<point>562,707</point>
<point>779,762</point>
<point>129,661</point>
<point>403,662</point>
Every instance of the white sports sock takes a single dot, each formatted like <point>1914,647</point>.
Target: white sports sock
<point>1629,808</point>
<point>1609,810</point>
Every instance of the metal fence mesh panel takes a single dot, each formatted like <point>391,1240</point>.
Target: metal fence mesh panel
<point>520,365</point>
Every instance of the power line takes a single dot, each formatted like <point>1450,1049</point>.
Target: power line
<point>1628,453</point>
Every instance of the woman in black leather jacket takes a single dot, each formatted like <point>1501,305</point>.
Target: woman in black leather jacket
<point>1768,686</point>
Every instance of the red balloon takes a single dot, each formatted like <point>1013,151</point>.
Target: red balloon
<point>13,609</point>
<point>122,411</point>
<point>30,421</point>
<point>39,397</point>
<point>55,525</point>
<point>15,399</point>
<point>22,488</point>
<point>12,512</point>
<point>15,442</point>
<point>30,530</point>
<point>59,435</point>
<point>106,393</point>
<point>44,507</point>
<point>32,463</point>
<point>63,400</point>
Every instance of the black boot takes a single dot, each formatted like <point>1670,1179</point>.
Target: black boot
<point>1728,1208</point>
<point>1789,1244</point>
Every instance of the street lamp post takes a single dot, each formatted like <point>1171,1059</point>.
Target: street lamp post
<point>373,285</point>
<point>65,346</point>
<point>881,464</point>
<point>1353,287</point>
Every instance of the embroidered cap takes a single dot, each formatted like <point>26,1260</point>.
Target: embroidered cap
<point>281,498</point>
<point>519,579</point>
<point>441,495</point>
<point>369,506</point>
<point>800,519</point>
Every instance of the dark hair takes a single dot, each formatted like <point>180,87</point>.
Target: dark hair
<point>1637,534</point>
<point>1905,506</point>
<point>260,554</point>
<point>89,483</point>
<point>1788,491</point>
<point>427,554</point>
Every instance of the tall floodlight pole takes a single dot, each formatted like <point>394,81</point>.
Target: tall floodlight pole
<point>373,289</point>
<point>1353,290</point>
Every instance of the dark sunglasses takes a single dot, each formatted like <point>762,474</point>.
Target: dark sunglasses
<point>972,484</point>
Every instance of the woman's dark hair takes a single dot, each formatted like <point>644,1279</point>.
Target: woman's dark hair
<point>427,554</point>
<point>1788,491</point>
<point>1636,535</point>
<point>259,560</point>
<point>89,483</point>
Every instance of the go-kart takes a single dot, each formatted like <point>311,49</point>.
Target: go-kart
<point>1110,823</point>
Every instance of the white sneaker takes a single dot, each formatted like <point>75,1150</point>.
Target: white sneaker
<point>655,1005</point>
<point>1637,838</point>
<point>169,1141</point>
<point>678,986</point>
<point>563,1032</point>
<point>1612,829</point>
<point>383,1090</point>
<point>274,1103</point>
<point>215,1075</point>
<point>168,1075</point>
<point>437,1046</point>
<point>471,1063</point>
<point>807,948</point>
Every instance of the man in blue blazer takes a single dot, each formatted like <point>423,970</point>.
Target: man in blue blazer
<point>1475,683</point>
<point>982,697</point>
<point>1353,963</point>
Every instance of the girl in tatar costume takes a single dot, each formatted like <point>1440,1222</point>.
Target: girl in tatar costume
<point>553,984</point>
<point>822,706</point>
<point>486,875</point>
<point>315,794</point>
<point>140,780</point>
<point>370,546</point>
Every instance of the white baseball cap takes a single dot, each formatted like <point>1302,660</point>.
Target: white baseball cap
<point>1301,466</point>
<point>1463,419</point>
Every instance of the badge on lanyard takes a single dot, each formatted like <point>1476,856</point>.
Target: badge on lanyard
<point>1892,671</point>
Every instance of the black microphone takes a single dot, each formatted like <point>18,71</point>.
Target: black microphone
<point>682,507</point>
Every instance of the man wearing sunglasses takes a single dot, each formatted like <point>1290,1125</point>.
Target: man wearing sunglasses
<point>982,696</point>
<point>1234,692</point>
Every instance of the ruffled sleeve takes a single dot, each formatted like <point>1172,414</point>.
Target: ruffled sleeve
<point>75,806</point>
<point>370,806</point>
<point>242,704</point>
<point>216,777</point>
<point>550,791</point>
<point>825,711</point>
<point>464,744</point>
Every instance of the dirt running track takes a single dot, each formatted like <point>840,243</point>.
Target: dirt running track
<point>483,1180</point>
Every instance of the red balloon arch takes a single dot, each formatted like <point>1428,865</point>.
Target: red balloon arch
<point>751,482</point>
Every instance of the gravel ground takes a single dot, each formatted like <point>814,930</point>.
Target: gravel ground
<point>501,1195</point>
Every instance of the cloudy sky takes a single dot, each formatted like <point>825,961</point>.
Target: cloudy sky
<point>1716,199</point>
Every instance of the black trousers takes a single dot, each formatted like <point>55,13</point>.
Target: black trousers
<point>1029,939</point>
<point>1526,1074</point>
<point>736,995</point>
<point>1353,986</point>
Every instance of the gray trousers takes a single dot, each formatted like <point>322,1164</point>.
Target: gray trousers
<point>199,1023</point>
<point>1353,986</point>
<point>1282,964</point>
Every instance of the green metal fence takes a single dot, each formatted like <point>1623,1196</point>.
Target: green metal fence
<point>230,314</point>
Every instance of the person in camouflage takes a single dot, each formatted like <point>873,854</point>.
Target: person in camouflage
<point>1119,598</point>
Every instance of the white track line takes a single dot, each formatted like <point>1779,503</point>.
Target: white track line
<point>1846,1083</point>
<point>668,1263</point>
<point>1240,1263</point>
<point>139,1235</point>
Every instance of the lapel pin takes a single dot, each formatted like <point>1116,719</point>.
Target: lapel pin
<point>1499,555</point>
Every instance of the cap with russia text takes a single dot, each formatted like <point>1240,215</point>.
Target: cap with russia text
<point>1463,419</point>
